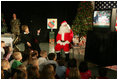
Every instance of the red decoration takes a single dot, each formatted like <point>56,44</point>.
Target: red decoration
<point>116,24</point>
<point>63,22</point>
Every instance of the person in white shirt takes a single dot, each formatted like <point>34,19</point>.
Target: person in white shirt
<point>42,60</point>
<point>43,57</point>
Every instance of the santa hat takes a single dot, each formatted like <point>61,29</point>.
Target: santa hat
<point>64,22</point>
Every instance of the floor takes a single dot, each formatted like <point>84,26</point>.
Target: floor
<point>80,57</point>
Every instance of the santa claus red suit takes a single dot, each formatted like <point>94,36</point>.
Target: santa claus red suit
<point>63,39</point>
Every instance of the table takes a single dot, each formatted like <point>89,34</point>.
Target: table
<point>8,39</point>
<point>77,52</point>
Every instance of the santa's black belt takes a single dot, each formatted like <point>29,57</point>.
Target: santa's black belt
<point>62,41</point>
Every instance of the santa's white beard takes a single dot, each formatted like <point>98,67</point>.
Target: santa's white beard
<point>64,29</point>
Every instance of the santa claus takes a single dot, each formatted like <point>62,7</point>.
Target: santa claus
<point>63,39</point>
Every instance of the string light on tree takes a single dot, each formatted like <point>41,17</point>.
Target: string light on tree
<point>83,19</point>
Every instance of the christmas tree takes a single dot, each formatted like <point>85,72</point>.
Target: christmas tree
<point>83,19</point>
<point>3,24</point>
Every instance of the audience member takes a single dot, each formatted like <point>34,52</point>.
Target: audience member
<point>8,52</point>
<point>42,60</point>
<point>71,64</point>
<point>74,73</point>
<point>2,49</point>
<point>11,62</point>
<point>26,54</point>
<point>22,67</point>
<point>6,66</point>
<point>61,69</point>
<point>54,66</point>
<point>84,71</point>
<point>33,72</point>
<point>29,54</point>
<point>15,62</point>
<point>102,73</point>
<point>43,57</point>
<point>20,75</point>
<point>52,59</point>
<point>18,57</point>
<point>48,72</point>
<point>33,54</point>
<point>34,62</point>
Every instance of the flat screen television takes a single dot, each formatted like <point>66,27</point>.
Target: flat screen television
<point>102,19</point>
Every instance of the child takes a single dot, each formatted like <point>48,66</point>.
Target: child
<point>31,54</point>
<point>18,57</point>
<point>33,72</point>
<point>20,75</point>
<point>48,72</point>
<point>2,49</point>
<point>52,59</point>
<point>61,69</point>
<point>16,62</point>
<point>34,62</point>
<point>74,73</point>
<point>71,64</point>
<point>6,66</point>
<point>43,57</point>
<point>21,67</point>
<point>8,53</point>
<point>84,71</point>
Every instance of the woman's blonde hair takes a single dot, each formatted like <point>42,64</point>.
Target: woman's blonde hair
<point>47,72</point>
<point>74,73</point>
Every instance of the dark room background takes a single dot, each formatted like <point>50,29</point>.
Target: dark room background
<point>35,14</point>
